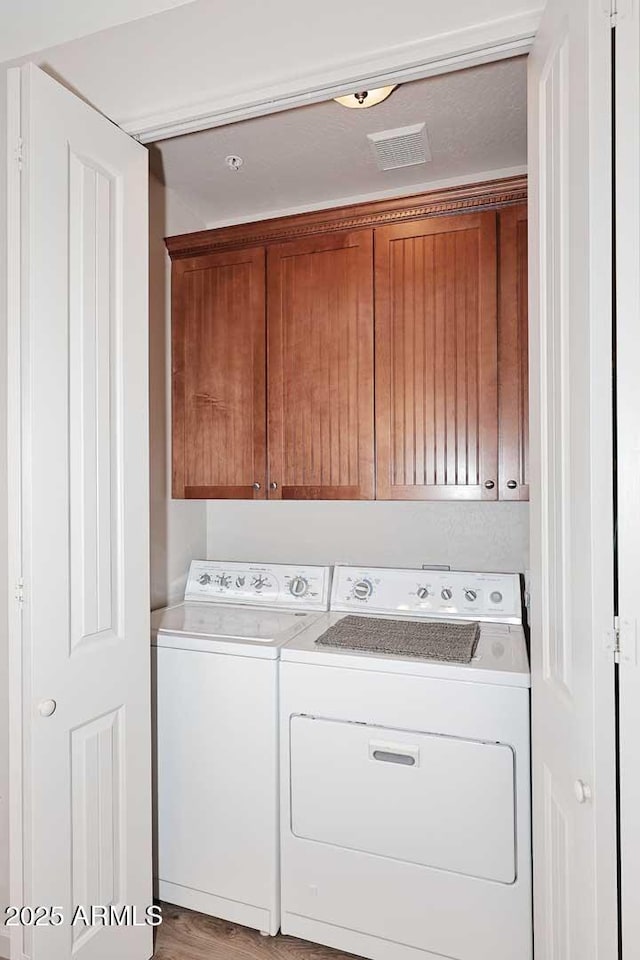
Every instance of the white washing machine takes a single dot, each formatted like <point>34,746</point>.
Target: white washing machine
<point>216,703</point>
<point>405,816</point>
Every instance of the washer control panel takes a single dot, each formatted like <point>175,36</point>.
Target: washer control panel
<point>439,594</point>
<point>266,584</point>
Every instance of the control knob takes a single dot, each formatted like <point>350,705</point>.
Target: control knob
<point>496,597</point>
<point>299,586</point>
<point>471,595</point>
<point>423,593</point>
<point>259,582</point>
<point>363,589</point>
<point>447,593</point>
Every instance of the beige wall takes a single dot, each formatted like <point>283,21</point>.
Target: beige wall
<point>476,536</point>
<point>178,527</point>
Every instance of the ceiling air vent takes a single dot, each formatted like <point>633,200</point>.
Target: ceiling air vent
<point>400,148</point>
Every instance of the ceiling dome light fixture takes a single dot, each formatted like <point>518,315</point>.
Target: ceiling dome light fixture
<point>366,98</point>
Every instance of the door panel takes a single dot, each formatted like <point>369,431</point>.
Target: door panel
<point>436,359</point>
<point>85,749</point>
<point>96,813</point>
<point>573,702</point>
<point>513,354</point>
<point>93,394</point>
<point>320,318</point>
<point>219,403</point>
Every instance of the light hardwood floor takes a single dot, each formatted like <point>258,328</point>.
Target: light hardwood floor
<point>185,935</point>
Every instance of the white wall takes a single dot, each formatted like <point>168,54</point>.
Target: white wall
<point>4,689</point>
<point>178,527</point>
<point>471,536</point>
<point>226,53</point>
<point>35,24</point>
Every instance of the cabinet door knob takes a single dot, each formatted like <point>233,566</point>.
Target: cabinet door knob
<point>489,484</point>
<point>512,484</point>
<point>256,485</point>
<point>273,485</point>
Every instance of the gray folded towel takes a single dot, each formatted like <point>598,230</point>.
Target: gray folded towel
<point>448,642</point>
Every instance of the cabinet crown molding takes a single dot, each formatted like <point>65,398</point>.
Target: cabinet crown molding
<point>461,199</point>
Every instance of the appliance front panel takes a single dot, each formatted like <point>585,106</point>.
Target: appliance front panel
<point>217,788</point>
<point>432,800</point>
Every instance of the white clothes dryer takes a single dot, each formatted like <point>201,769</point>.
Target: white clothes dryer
<point>405,818</point>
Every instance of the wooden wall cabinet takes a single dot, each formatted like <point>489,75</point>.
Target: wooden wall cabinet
<point>513,354</point>
<point>374,351</point>
<point>320,362</point>
<point>218,376</point>
<point>436,359</point>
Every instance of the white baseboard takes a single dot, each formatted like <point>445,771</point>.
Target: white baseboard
<point>249,915</point>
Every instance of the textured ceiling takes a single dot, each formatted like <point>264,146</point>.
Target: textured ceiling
<point>317,155</point>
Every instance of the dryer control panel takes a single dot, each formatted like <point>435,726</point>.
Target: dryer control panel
<point>456,595</point>
<point>266,584</point>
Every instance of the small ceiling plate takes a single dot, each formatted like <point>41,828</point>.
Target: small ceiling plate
<point>233,162</point>
<point>402,147</point>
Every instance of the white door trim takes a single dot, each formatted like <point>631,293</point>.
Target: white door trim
<point>14,498</point>
<point>480,43</point>
<point>627,202</point>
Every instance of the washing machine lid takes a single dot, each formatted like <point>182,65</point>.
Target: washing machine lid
<point>218,628</point>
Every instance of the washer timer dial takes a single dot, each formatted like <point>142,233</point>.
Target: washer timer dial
<point>299,586</point>
<point>362,589</point>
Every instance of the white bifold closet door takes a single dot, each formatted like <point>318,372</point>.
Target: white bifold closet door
<point>572,548</point>
<point>627,55</point>
<point>81,755</point>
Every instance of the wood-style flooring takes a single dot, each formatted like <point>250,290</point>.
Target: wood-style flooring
<point>185,935</point>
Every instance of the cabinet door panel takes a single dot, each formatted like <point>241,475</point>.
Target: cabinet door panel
<point>320,388</point>
<point>513,355</point>
<point>219,392</point>
<point>436,359</point>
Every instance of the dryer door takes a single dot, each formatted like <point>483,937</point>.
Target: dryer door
<point>428,799</point>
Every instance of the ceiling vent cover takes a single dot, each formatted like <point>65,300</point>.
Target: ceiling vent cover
<point>402,147</point>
